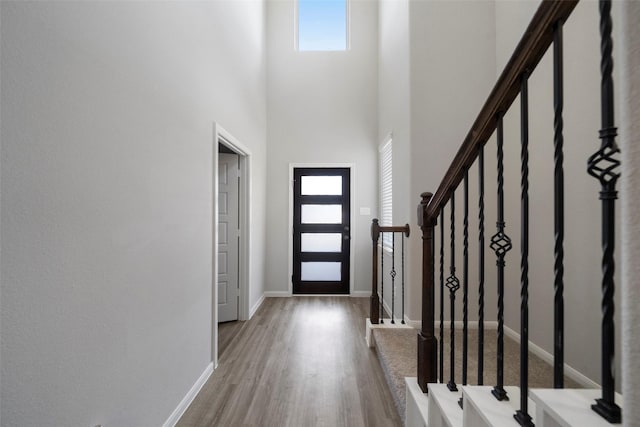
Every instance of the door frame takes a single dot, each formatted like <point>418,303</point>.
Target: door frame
<point>352,169</point>
<point>221,136</point>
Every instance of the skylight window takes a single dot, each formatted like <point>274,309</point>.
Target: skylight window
<point>322,25</point>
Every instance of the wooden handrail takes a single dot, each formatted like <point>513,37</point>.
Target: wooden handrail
<point>376,229</point>
<point>395,229</point>
<point>530,50</point>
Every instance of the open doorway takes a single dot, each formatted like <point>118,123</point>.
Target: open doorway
<point>231,239</point>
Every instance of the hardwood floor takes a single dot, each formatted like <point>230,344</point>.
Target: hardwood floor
<point>227,332</point>
<point>299,361</point>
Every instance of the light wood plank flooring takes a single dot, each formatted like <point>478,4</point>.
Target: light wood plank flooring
<point>227,332</point>
<point>299,361</point>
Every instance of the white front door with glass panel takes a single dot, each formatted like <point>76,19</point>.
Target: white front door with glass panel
<point>228,236</point>
<point>321,230</point>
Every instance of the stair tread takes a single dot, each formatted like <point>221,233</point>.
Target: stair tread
<point>571,407</point>
<point>492,411</point>
<point>416,401</point>
<point>447,402</point>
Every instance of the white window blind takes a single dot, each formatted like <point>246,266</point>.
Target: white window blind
<point>386,189</point>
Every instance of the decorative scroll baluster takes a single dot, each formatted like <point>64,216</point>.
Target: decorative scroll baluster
<point>501,244</point>
<point>453,284</point>
<point>441,295</point>
<point>403,275</point>
<point>522,415</point>
<point>558,197</point>
<point>382,279</point>
<point>603,165</point>
<point>392,273</point>
<point>375,300</point>
<point>481,266</point>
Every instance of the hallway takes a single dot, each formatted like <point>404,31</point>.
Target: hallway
<point>299,361</point>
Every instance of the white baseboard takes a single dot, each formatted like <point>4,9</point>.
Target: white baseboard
<point>472,324</point>
<point>186,401</point>
<point>255,307</point>
<point>277,294</point>
<point>415,324</point>
<point>548,357</point>
<point>458,324</point>
<point>385,306</point>
<point>360,294</point>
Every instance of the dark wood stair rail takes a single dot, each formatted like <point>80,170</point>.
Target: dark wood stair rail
<point>376,231</point>
<point>544,29</point>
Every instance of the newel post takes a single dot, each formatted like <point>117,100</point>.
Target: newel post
<point>375,301</point>
<point>427,343</point>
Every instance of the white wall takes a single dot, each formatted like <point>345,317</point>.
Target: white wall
<point>394,118</point>
<point>322,108</point>
<point>452,72</point>
<point>107,146</point>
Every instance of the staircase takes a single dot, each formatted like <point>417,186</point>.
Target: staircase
<point>548,407</point>
<point>431,401</point>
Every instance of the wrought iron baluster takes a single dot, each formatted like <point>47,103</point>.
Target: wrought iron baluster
<point>481,266</point>
<point>403,274</point>
<point>603,165</point>
<point>522,415</point>
<point>392,273</point>
<point>453,284</point>
<point>465,279</point>
<point>501,244</point>
<point>558,198</point>
<point>382,278</point>
<point>442,295</point>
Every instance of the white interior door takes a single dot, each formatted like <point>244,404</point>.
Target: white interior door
<point>228,236</point>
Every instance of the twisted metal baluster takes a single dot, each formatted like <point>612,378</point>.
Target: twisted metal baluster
<point>522,415</point>
<point>481,267</point>
<point>603,166</point>
<point>382,279</point>
<point>558,197</point>
<point>465,278</point>
<point>442,295</point>
<point>501,244</point>
<point>453,284</point>
<point>465,281</point>
<point>392,273</point>
<point>403,274</point>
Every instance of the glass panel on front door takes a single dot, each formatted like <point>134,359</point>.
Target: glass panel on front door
<point>321,214</point>
<point>321,242</point>
<point>321,230</point>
